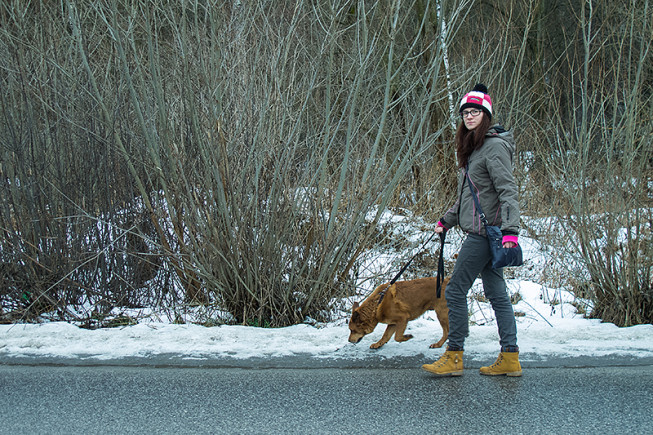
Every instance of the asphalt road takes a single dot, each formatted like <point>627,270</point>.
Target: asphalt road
<point>125,400</point>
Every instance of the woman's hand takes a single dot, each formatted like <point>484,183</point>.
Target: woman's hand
<point>439,229</point>
<point>508,244</point>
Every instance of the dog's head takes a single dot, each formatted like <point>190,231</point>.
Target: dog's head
<point>360,324</point>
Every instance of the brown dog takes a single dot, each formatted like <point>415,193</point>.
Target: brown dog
<point>403,301</point>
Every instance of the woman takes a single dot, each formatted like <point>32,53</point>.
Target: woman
<point>484,153</point>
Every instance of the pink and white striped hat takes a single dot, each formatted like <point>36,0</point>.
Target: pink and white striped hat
<point>478,98</point>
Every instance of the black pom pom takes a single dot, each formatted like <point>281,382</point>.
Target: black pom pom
<point>480,88</point>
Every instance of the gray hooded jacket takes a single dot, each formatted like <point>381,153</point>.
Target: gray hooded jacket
<point>490,169</point>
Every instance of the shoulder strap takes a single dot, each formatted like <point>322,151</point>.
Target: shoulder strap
<point>476,201</point>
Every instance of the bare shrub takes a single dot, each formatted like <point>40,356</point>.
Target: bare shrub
<point>238,154</point>
<point>217,153</point>
<point>599,164</point>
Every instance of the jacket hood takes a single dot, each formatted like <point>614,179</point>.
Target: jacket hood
<point>498,131</point>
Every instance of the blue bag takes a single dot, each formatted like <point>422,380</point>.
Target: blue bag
<point>501,257</point>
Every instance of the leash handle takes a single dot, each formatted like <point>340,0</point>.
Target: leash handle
<point>440,278</point>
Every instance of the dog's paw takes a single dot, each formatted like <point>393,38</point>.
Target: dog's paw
<point>376,345</point>
<point>436,345</point>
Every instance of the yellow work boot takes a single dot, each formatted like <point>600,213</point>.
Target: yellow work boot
<point>449,364</point>
<point>506,364</point>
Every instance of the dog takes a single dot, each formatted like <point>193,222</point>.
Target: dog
<point>403,301</point>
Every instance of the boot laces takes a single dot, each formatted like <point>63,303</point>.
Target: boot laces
<point>443,360</point>
<point>497,362</point>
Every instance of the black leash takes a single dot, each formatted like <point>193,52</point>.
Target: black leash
<point>440,277</point>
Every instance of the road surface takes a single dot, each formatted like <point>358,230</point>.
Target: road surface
<point>149,400</point>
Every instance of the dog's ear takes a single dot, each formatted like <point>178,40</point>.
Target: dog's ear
<point>355,315</point>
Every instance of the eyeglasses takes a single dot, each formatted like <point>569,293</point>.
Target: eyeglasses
<point>473,113</point>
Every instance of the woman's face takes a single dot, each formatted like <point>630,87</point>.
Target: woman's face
<point>472,118</point>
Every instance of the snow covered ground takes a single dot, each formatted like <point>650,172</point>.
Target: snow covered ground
<point>549,329</point>
<point>545,332</point>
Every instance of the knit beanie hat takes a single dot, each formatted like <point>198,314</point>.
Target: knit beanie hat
<point>478,98</point>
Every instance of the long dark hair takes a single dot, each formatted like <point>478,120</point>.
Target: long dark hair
<point>468,141</point>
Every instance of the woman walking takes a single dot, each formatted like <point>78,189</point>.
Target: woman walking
<point>485,159</point>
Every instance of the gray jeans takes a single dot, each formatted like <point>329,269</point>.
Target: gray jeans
<point>474,259</point>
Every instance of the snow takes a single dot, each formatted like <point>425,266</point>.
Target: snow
<point>548,323</point>
<point>544,332</point>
